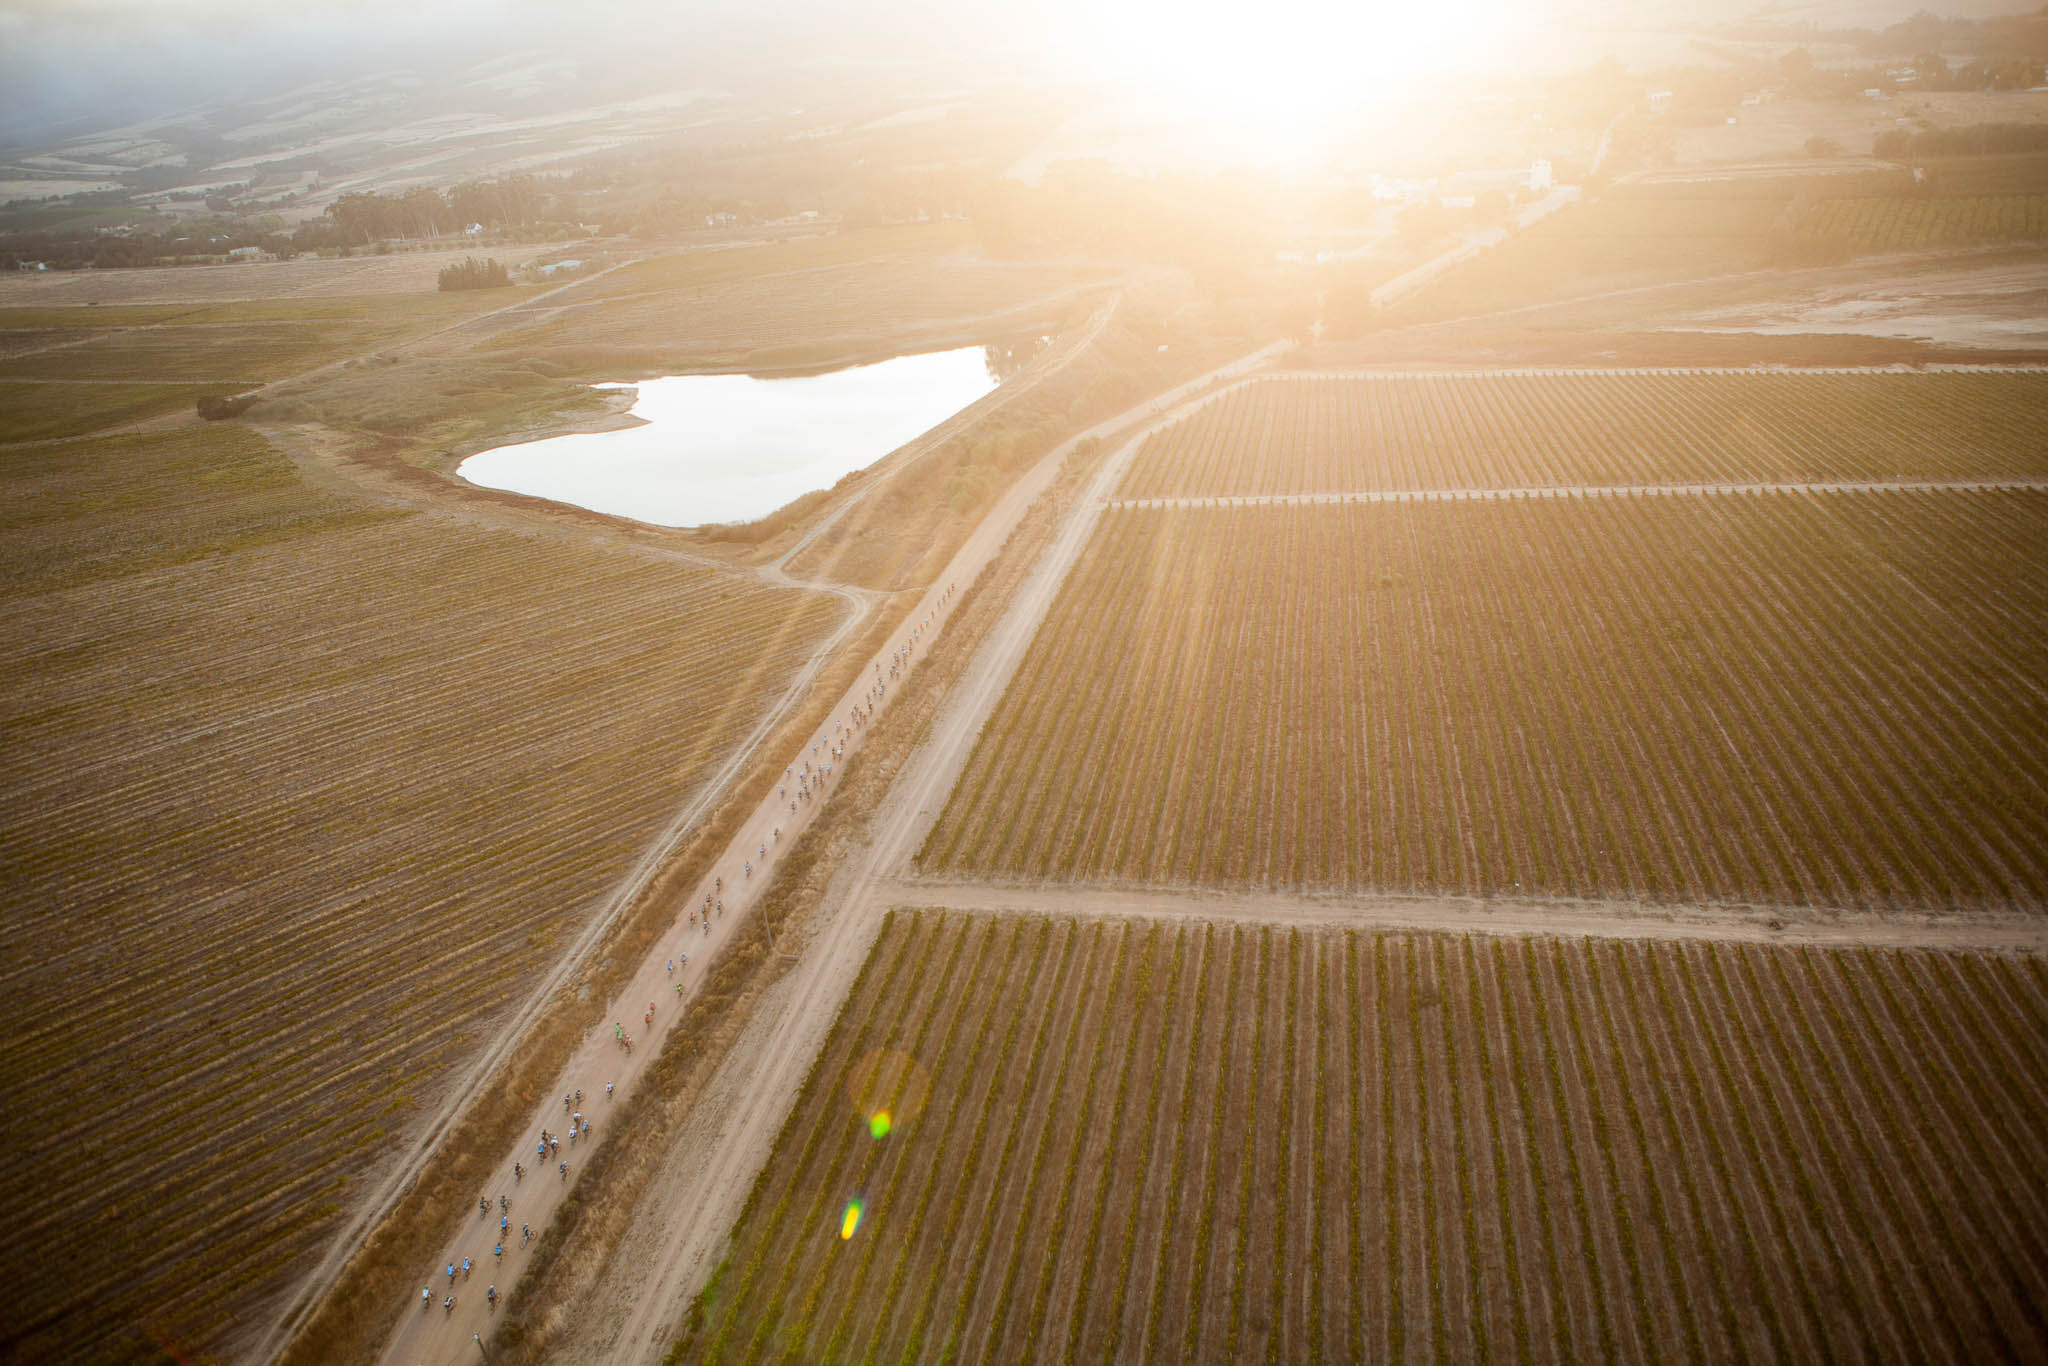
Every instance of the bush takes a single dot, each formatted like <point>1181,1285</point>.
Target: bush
<point>216,408</point>
<point>475,274</point>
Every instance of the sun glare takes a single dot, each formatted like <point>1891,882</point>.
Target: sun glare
<point>1285,72</point>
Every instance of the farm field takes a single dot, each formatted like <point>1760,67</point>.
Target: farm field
<point>1816,700</point>
<point>1118,1142</point>
<point>1916,224</point>
<point>145,360</point>
<point>40,411</point>
<point>1493,430</point>
<point>304,792</point>
<point>309,277</point>
<point>793,315</point>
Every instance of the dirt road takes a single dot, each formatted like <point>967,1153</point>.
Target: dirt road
<point>1983,931</point>
<point>653,1287</point>
<point>432,1333</point>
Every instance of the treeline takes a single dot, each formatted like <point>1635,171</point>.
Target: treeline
<point>471,273</point>
<point>2008,36</point>
<point>514,201</point>
<point>77,251</point>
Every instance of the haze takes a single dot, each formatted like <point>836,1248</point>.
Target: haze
<point>1145,682</point>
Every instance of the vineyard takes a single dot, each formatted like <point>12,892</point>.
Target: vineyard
<point>1286,436</point>
<point>1029,1139</point>
<point>1915,224</point>
<point>1829,700</point>
<point>304,794</point>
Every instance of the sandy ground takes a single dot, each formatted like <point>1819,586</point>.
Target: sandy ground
<point>2000,304</point>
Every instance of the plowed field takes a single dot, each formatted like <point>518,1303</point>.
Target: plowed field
<point>1112,1142</point>
<point>301,796</point>
<point>1813,699</point>
<point>1285,436</point>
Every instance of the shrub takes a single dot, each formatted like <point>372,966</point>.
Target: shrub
<point>215,407</point>
<point>475,274</point>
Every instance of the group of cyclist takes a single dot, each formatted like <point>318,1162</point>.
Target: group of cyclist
<point>809,780</point>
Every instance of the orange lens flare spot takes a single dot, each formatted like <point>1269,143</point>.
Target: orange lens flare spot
<point>850,1220</point>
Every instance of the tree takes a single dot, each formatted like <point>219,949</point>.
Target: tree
<point>475,274</point>
<point>1932,71</point>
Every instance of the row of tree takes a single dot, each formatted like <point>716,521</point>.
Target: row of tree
<point>512,201</point>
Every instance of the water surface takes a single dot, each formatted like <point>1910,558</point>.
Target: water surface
<point>734,448</point>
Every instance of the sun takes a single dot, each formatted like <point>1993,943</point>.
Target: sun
<point>1285,71</point>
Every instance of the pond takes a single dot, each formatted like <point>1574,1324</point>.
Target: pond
<point>734,448</point>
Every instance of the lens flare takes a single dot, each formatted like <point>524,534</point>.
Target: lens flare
<point>887,1082</point>
<point>850,1220</point>
<point>878,1125</point>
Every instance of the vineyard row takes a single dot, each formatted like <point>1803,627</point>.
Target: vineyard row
<point>1574,491</point>
<point>1826,701</point>
<point>1186,1142</point>
<point>1912,224</point>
